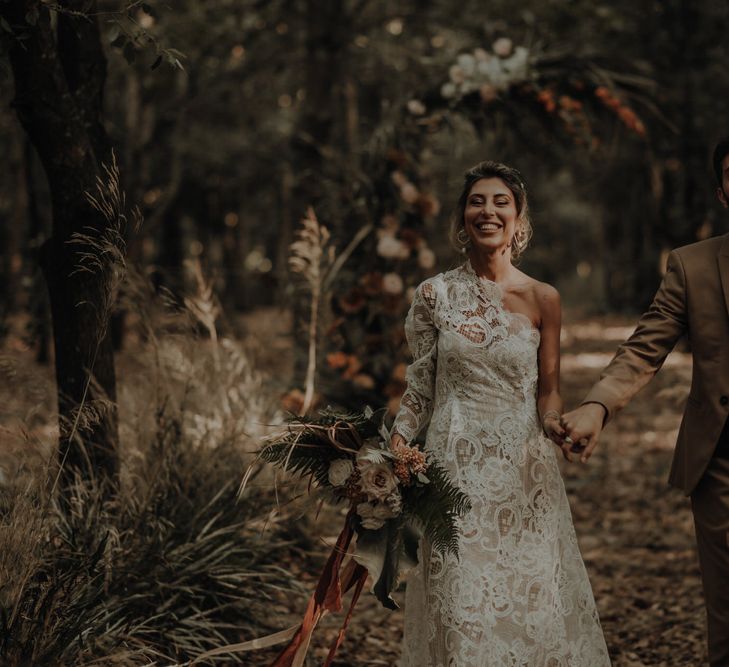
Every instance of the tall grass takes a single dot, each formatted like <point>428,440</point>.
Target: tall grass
<point>174,564</point>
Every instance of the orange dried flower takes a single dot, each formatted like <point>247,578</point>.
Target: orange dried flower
<point>546,97</point>
<point>402,472</point>
<point>371,283</point>
<point>353,367</point>
<point>627,115</point>
<point>410,462</point>
<point>410,238</point>
<point>293,401</point>
<point>399,372</point>
<point>337,359</point>
<point>353,301</point>
<point>364,381</point>
<point>569,103</point>
<point>428,205</point>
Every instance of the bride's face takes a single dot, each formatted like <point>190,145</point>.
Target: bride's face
<point>490,215</point>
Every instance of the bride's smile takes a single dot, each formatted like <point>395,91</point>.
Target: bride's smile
<point>490,215</point>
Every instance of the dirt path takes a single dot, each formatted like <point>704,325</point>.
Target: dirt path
<point>635,533</point>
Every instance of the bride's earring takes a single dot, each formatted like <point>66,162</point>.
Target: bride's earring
<point>463,240</point>
<point>517,238</point>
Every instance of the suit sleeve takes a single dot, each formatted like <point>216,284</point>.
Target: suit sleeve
<point>640,357</point>
<point>422,335</point>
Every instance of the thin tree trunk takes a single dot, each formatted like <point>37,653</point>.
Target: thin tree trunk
<point>10,238</point>
<point>37,231</point>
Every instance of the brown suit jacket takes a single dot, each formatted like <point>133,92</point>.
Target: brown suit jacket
<point>694,299</point>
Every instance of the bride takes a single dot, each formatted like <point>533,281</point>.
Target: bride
<point>485,376</point>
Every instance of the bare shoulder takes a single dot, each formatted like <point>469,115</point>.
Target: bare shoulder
<point>543,294</point>
<point>543,300</point>
<point>546,301</point>
<point>546,294</point>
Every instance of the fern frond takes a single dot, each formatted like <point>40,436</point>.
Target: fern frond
<point>436,508</point>
<point>301,458</point>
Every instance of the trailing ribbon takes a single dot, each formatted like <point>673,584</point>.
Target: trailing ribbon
<point>358,578</point>
<point>251,645</point>
<point>334,581</point>
<point>326,597</point>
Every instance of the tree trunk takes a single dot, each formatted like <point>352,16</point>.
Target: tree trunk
<point>59,70</point>
<point>10,239</point>
<point>38,225</point>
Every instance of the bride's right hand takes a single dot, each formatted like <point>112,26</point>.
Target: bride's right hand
<point>397,441</point>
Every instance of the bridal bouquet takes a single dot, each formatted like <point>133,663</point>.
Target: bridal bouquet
<point>395,497</point>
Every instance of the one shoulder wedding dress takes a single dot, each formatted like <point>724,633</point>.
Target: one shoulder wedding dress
<point>518,595</point>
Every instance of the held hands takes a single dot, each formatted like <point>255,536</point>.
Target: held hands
<point>583,426</point>
<point>575,432</point>
<point>553,429</point>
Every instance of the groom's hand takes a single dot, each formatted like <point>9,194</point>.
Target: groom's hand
<point>585,423</point>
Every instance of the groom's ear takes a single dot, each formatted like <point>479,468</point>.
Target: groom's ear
<point>722,197</point>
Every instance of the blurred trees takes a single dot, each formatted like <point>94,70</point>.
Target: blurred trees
<point>285,104</point>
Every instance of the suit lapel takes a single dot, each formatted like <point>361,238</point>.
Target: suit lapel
<point>723,260</point>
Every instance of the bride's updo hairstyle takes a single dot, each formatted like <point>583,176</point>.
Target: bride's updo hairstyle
<point>512,179</point>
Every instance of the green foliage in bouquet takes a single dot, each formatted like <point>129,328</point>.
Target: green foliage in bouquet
<point>397,496</point>
<point>307,447</point>
<point>435,507</point>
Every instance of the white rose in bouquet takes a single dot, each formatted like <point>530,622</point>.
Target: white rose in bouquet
<point>366,513</point>
<point>377,480</point>
<point>340,470</point>
<point>394,502</point>
<point>374,515</point>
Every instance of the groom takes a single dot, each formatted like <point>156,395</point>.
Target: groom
<point>693,299</point>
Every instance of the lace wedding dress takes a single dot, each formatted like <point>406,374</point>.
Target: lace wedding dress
<point>518,595</point>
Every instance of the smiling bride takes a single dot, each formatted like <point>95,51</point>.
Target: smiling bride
<point>485,380</point>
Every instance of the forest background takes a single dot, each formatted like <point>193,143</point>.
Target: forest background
<point>184,332</point>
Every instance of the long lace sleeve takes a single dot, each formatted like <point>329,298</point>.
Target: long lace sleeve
<point>422,336</point>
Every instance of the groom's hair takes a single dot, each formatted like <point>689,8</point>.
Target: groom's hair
<point>720,152</point>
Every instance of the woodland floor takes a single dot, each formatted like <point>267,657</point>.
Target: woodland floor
<point>636,533</point>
